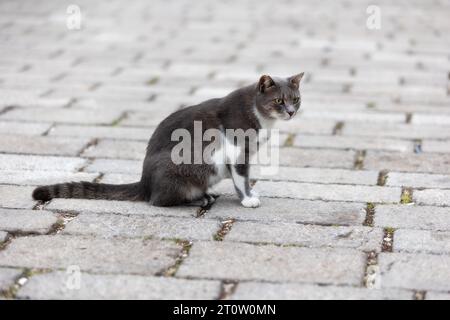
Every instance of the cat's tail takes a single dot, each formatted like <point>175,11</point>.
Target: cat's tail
<point>89,190</point>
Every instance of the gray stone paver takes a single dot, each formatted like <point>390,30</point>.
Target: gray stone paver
<point>328,192</point>
<point>362,238</point>
<point>320,175</point>
<point>16,197</point>
<point>423,163</point>
<point>290,291</point>
<point>53,286</point>
<point>114,166</point>
<point>42,145</point>
<point>418,180</point>
<point>344,142</point>
<point>291,210</point>
<point>27,163</point>
<point>432,197</point>
<point>26,221</point>
<point>91,254</point>
<point>272,263</point>
<point>33,129</point>
<point>117,149</point>
<point>415,271</point>
<point>117,207</point>
<point>110,225</point>
<point>17,177</point>
<point>63,115</point>
<point>374,119</point>
<point>422,241</point>
<point>432,295</point>
<point>319,158</point>
<point>412,217</point>
<point>98,132</point>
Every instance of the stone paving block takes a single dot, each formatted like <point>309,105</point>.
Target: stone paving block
<point>412,217</point>
<point>432,197</point>
<point>43,177</point>
<point>117,287</point>
<point>91,254</point>
<point>355,116</point>
<point>3,236</point>
<point>102,132</point>
<point>120,178</point>
<point>413,107</point>
<point>323,158</point>
<point>33,102</point>
<point>134,226</point>
<point>414,271</point>
<point>418,180</point>
<point>399,161</point>
<point>24,128</point>
<point>42,145</point>
<point>115,166</point>
<point>118,207</point>
<point>146,119</point>
<point>422,241</point>
<point>361,238</point>
<point>79,116</point>
<point>320,175</point>
<point>432,295</point>
<point>40,163</point>
<point>290,210</point>
<point>432,119</point>
<point>242,261</point>
<point>397,130</point>
<point>293,291</point>
<point>132,104</point>
<point>301,126</point>
<point>334,192</point>
<point>16,197</point>
<point>342,142</point>
<point>26,221</point>
<point>117,149</point>
<point>436,146</point>
<point>7,277</point>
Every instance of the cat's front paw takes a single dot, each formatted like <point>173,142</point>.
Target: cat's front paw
<point>252,202</point>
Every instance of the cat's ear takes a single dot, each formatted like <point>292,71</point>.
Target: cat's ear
<point>265,82</point>
<point>295,80</point>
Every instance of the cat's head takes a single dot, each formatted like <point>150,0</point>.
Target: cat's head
<point>278,98</point>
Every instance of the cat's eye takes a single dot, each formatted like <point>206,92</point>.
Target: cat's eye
<point>278,101</point>
<point>296,100</point>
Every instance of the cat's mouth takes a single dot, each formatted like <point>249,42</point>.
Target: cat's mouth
<point>287,116</point>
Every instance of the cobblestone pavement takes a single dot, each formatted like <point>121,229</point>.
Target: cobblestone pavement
<point>359,210</point>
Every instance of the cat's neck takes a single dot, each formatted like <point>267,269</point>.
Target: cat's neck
<point>264,122</point>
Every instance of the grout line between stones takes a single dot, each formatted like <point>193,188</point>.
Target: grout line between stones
<point>371,278</point>
<point>227,288</point>
<point>224,229</point>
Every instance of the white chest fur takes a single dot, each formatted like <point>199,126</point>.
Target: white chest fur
<point>227,153</point>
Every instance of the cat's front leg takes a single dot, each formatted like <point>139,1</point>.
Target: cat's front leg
<point>240,175</point>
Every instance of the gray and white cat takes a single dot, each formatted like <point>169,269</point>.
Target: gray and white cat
<point>165,183</point>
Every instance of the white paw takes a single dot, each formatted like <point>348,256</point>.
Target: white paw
<point>252,202</point>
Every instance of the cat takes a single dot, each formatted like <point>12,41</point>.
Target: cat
<point>165,183</point>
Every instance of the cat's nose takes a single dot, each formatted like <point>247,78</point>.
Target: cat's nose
<point>290,113</point>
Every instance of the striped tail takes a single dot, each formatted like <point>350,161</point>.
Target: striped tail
<point>89,190</point>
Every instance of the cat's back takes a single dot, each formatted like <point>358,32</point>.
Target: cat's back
<point>205,113</point>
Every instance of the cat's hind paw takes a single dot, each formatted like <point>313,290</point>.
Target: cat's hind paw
<point>252,202</point>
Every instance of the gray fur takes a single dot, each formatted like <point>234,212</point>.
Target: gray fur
<point>164,183</point>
